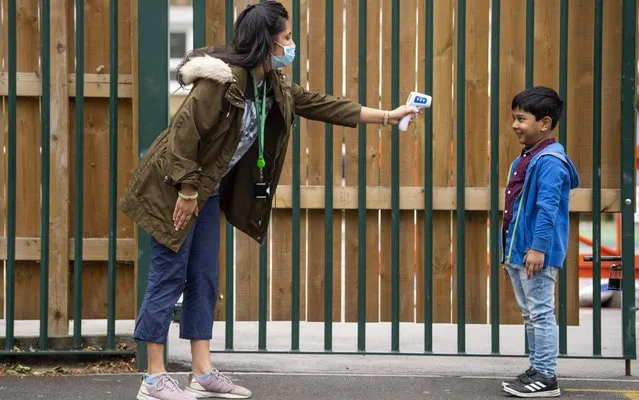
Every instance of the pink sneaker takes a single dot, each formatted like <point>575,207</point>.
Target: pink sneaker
<point>164,388</point>
<point>216,385</point>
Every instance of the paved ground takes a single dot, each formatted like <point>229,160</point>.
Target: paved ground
<point>296,376</point>
<point>310,386</point>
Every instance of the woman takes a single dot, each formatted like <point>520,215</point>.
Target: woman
<point>224,150</point>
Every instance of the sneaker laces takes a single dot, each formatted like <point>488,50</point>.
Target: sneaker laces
<point>221,376</point>
<point>166,382</point>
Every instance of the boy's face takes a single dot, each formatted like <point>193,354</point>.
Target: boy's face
<point>529,131</point>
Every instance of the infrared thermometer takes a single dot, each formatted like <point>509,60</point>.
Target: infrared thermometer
<point>418,100</point>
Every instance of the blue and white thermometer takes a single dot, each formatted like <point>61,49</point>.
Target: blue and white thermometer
<point>418,100</point>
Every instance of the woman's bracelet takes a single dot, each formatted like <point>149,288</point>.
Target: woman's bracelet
<point>187,196</point>
<point>385,122</point>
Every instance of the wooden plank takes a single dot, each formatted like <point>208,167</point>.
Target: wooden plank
<point>611,95</point>
<point>579,126</point>
<point>246,278</point>
<point>216,35</point>
<point>28,161</point>
<point>29,84</point>
<point>412,198</point>
<point>94,302</point>
<point>281,225</point>
<point>547,26</point>
<point>512,81</point>
<point>247,261</point>
<point>384,163</point>
<point>126,148</point>
<point>59,169</point>
<point>135,118</point>
<point>94,249</point>
<point>373,93</point>
<point>96,165</point>
<point>422,69</point>
<point>215,22</point>
<point>407,161</point>
<point>220,305</point>
<point>304,17</point>
<point>316,170</point>
<point>282,222</point>
<point>442,158</point>
<point>372,166</point>
<point>351,138</point>
<point>580,89</point>
<point>476,174</point>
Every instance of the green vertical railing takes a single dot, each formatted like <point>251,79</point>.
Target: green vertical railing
<point>563,133</point>
<point>263,291</point>
<point>153,112</point>
<point>78,228</point>
<point>428,181</point>
<point>11,177</point>
<point>263,273</point>
<point>596,180</point>
<point>45,144</point>
<point>328,184</point>
<point>495,233</point>
<point>530,66</point>
<point>113,170</point>
<point>295,245</point>
<point>628,178</point>
<point>199,23</point>
<point>230,231</point>
<point>361,183</point>
<point>530,42</point>
<point>395,72</point>
<point>461,175</point>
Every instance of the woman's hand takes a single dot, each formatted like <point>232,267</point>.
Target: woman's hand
<point>183,212</point>
<point>400,112</point>
<point>376,116</point>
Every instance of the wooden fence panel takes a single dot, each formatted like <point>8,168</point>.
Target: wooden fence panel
<point>512,81</point>
<point>476,166</point>
<point>316,176</point>
<point>312,52</point>
<point>27,301</point>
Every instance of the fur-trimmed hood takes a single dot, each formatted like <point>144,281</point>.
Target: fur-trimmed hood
<point>206,67</point>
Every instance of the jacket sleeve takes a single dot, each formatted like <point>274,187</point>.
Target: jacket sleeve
<point>551,175</point>
<point>199,114</point>
<point>325,108</point>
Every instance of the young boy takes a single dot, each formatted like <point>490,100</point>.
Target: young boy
<point>535,233</point>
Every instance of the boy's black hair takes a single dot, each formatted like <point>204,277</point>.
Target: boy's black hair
<point>541,102</point>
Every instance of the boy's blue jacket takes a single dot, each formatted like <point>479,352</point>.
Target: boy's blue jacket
<point>541,210</point>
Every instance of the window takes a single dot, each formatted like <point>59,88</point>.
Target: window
<point>177,45</point>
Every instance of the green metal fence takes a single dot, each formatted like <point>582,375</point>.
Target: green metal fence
<point>627,151</point>
<point>152,83</point>
<point>46,189</point>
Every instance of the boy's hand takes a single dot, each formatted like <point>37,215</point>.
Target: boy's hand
<point>534,261</point>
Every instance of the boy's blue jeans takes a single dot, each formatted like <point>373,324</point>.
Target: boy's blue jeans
<point>536,298</point>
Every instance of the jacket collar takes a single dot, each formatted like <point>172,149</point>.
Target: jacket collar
<point>207,67</point>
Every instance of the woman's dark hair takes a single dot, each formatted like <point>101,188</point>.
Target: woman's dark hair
<point>253,32</point>
<point>541,102</point>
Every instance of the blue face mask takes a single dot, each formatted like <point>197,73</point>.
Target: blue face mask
<point>286,59</point>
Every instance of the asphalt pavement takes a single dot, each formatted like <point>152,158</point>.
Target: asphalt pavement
<point>287,386</point>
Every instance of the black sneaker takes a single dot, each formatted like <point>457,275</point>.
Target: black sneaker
<point>538,387</point>
<point>525,377</point>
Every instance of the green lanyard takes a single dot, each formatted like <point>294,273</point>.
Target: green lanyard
<point>260,111</point>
